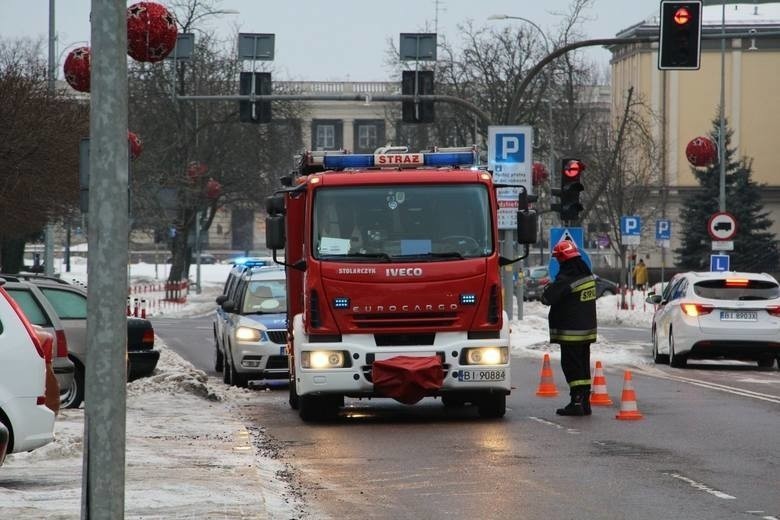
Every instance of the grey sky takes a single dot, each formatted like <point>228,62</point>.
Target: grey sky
<point>339,39</point>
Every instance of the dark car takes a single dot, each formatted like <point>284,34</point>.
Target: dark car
<point>535,280</point>
<point>605,287</point>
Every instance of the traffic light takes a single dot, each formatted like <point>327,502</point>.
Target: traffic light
<point>421,112</point>
<point>571,185</point>
<point>680,35</point>
<point>260,84</point>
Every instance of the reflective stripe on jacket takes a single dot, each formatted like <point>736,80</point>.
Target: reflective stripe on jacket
<point>572,303</point>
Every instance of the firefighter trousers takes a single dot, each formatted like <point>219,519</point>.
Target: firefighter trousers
<point>575,362</point>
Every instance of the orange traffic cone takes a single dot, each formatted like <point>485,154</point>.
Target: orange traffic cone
<point>599,395</point>
<point>628,408</point>
<point>546,386</point>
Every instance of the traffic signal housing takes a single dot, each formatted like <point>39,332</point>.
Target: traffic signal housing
<point>260,84</point>
<point>417,83</point>
<point>680,35</point>
<point>570,207</point>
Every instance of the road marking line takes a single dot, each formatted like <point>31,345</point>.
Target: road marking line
<point>658,374</point>
<point>573,431</point>
<point>702,487</point>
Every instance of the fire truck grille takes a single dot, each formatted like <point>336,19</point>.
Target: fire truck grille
<point>278,336</point>
<point>405,321</point>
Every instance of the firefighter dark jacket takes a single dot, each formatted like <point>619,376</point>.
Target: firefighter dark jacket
<point>572,301</point>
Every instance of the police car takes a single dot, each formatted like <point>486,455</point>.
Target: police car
<point>254,343</point>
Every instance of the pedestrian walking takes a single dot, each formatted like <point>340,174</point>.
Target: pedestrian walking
<point>640,275</point>
<point>572,322</point>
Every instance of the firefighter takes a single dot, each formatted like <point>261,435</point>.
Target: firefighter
<point>572,322</point>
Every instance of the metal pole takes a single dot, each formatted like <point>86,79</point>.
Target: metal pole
<point>48,236</point>
<point>106,370</point>
<point>507,250</point>
<point>197,249</point>
<point>722,124</point>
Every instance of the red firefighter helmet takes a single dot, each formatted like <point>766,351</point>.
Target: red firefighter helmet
<point>565,250</point>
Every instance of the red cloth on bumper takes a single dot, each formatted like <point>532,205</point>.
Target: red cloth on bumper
<point>407,379</point>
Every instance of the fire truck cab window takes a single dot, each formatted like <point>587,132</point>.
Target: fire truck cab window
<point>402,221</point>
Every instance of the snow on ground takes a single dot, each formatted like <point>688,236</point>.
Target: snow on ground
<point>188,454</point>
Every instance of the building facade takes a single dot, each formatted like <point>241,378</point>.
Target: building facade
<point>684,104</point>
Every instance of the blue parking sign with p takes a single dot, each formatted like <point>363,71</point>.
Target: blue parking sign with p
<point>663,229</point>
<point>510,148</point>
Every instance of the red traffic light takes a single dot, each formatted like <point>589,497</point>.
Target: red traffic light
<point>682,16</point>
<point>573,169</point>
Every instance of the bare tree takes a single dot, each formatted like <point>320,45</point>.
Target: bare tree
<point>245,159</point>
<point>38,149</point>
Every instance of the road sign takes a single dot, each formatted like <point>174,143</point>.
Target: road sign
<point>719,263</point>
<point>574,234</point>
<point>723,245</point>
<point>507,207</point>
<point>663,229</point>
<point>630,230</point>
<point>722,226</point>
<point>509,155</point>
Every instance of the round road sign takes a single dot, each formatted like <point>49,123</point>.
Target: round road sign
<point>722,226</point>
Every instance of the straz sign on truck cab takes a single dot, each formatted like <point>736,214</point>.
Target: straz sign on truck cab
<point>394,281</point>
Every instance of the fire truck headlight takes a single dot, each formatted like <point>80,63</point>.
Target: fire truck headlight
<point>486,356</point>
<point>248,334</point>
<point>322,359</point>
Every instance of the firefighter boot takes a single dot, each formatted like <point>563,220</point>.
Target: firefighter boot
<point>586,400</point>
<point>575,406</point>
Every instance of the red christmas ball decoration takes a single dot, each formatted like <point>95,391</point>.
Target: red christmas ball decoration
<point>77,68</point>
<point>701,151</point>
<point>539,173</point>
<point>213,189</point>
<point>136,145</point>
<point>196,170</point>
<point>151,31</point>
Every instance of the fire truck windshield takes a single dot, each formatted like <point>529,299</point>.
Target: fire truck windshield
<point>402,222</point>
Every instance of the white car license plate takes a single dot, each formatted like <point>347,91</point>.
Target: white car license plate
<point>481,376</point>
<point>738,316</point>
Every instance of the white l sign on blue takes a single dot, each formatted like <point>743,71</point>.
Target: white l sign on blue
<point>630,226</point>
<point>719,263</point>
<point>663,229</point>
<point>510,156</point>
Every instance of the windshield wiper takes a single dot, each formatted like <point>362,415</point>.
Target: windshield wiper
<point>449,254</point>
<point>373,256</point>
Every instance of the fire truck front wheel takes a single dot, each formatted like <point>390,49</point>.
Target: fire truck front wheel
<point>313,408</point>
<point>491,406</point>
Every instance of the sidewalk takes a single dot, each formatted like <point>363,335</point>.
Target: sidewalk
<point>187,456</point>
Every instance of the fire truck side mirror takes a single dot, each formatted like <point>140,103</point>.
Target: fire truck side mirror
<point>526,227</point>
<point>274,232</point>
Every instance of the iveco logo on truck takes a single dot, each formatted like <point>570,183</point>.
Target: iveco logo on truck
<point>404,271</point>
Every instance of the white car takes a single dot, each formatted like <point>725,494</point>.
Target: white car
<point>22,381</point>
<point>717,315</point>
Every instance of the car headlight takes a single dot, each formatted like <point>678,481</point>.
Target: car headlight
<point>248,334</point>
<point>322,359</point>
<point>485,356</point>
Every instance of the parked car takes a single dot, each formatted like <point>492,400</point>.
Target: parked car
<point>255,329</point>
<point>69,303</point>
<point>717,315</point>
<point>605,287</point>
<point>41,313</point>
<point>535,279</point>
<point>23,410</point>
<point>240,266</point>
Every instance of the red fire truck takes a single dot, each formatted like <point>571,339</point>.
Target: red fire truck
<point>393,274</point>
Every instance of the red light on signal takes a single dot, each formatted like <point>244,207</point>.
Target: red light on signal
<point>682,16</point>
<point>573,169</point>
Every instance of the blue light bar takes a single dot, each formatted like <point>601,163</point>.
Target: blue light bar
<point>339,162</point>
<point>399,160</point>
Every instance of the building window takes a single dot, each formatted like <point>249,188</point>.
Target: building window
<point>326,134</point>
<point>326,137</point>
<point>369,135</point>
